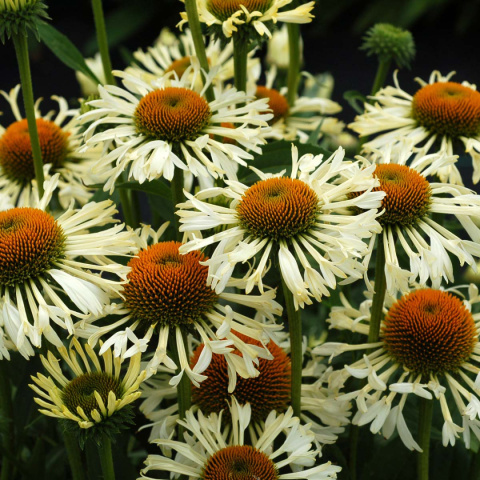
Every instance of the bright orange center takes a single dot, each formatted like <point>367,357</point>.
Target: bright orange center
<point>276,101</point>
<point>179,66</point>
<point>278,208</point>
<point>167,287</point>
<point>241,462</point>
<point>430,331</point>
<point>16,157</point>
<point>407,197</point>
<point>173,114</point>
<point>269,391</point>
<point>31,242</point>
<point>223,9</point>
<point>448,108</point>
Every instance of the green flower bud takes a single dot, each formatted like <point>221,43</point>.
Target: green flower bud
<point>19,16</point>
<point>390,43</point>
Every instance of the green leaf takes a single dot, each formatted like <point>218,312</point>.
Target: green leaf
<point>355,99</point>
<point>64,49</point>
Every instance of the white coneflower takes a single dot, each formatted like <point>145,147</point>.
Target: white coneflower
<point>298,120</point>
<point>428,347</point>
<point>59,136</point>
<point>410,217</point>
<point>296,219</point>
<point>45,259</point>
<point>270,390</point>
<point>210,455</point>
<point>176,55</point>
<point>441,117</point>
<point>154,128</point>
<point>95,394</point>
<point>167,295</point>
<point>232,14</point>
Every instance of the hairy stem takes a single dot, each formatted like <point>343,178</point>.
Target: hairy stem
<point>102,40</point>
<point>424,427</point>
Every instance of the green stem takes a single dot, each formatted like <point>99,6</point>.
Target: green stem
<point>127,208</point>
<point>74,456</point>
<point>6,409</point>
<point>296,354</point>
<point>21,50</point>
<point>240,55</point>
<point>380,77</point>
<point>424,427</point>
<point>106,459</point>
<point>184,387</point>
<point>198,41</point>
<point>376,313</point>
<point>177,197</point>
<point>294,58</point>
<point>352,457</point>
<point>102,40</point>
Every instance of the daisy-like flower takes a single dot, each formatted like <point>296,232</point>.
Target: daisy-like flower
<point>167,295</point>
<point>442,116</point>
<point>59,136</point>
<point>96,395</point>
<point>270,390</point>
<point>153,128</point>
<point>209,455</point>
<point>43,260</point>
<point>409,224</point>
<point>261,14</point>
<point>428,347</point>
<point>176,56</point>
<point>298,219</point>
<point>292,122</point>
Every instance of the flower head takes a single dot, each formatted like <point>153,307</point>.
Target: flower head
<point>59,137</point>
<point>19,16</point>
<point>409,224</point>
<point>44,259</point>
<point>441,117</point>
<point>286,217</point>
<point>168,293</point>
<point>299,120</point>
<point>212,457</point>
<point>233,16</point>
<point>428,344</point>
<point>96,397</point>
<point>390,43</point>
<point>175,55</point>
<point>268,391</point>
<point>153,128</point>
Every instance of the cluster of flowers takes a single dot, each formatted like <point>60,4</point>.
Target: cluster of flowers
<point>197,311</point>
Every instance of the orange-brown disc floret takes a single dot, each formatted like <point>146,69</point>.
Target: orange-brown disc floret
<point>268,391</point>
<point>16,157</point>
<point>223,9</point>
<point>279,208</point>
<point>179,66</point>
<point>80,391</point>
<point>240,462</point>
<point>31,242</point>
<point>407,198</point>
<point>167,287</point>
<point>448,108</point>
<point>429,331</point>
<point>276,101</point>
<point>173,114</point>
